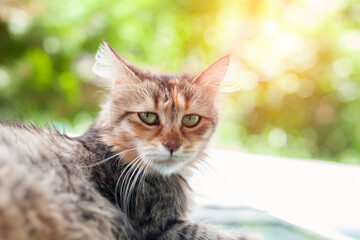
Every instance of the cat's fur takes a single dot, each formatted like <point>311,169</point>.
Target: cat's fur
<point>46,194</point>
<point>56,187</point>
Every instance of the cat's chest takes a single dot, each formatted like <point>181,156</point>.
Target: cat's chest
<point>162,194</point>
<point>160,200</point>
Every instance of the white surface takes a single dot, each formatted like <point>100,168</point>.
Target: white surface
<point>313,194</point>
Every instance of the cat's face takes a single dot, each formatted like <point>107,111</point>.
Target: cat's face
<point>169,124</point>
<point>166,120</point>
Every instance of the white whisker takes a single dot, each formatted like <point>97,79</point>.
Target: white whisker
<point>129,185</point>
<point>118,181</point>
<point>210,168</point>
<point>129,173</point>
<point>133,184</point>
<point>107,159</point>
<point>147,164</point>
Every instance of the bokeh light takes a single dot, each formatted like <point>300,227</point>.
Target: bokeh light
<point>296,64</point>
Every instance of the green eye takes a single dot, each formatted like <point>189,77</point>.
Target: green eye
<point>149,118</point>
<point>191,120</point>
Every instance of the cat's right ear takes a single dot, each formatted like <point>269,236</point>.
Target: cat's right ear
<point>110,65</point>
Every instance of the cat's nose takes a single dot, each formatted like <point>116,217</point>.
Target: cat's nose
<point>172,146</point>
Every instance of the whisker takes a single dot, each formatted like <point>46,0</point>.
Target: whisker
<point>210,168</point>
<point>142,179</point>
<point>133,184</point>
<point>126,181</point>
<point>107,159</point>
<point>129,185</point>
<point>117,184</point>
<point>203,167</point>
<point>129,172</point>
<point>118,181</point>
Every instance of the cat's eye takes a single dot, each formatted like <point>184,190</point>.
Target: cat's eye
<point>191,120</point>
<point>149,118</point>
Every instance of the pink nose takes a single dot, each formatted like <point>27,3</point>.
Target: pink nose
<point>172,146</point>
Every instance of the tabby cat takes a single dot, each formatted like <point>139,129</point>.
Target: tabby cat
<point>126,177</point>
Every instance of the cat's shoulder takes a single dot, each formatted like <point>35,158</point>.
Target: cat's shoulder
<point>29,141</point>
<point>19,128</point>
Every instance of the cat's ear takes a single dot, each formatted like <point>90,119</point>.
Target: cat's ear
<point>213,76</point>
<point>110,65</point>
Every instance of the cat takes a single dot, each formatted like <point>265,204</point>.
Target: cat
<point>126,177</point>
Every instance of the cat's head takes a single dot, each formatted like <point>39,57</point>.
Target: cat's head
<point>160,121</point>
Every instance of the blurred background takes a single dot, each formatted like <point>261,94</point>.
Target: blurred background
<point>297,64</point>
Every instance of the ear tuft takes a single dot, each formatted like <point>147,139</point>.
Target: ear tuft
<point>103,66</point>
<point>110,65</point>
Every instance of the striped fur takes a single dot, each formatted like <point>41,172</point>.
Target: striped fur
<point>160,198</point>
<point>46,194</point>
<point>171,97</point>
<point>120,180</point>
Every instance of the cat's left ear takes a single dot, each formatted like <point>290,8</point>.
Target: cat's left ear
<point>110,65</point>
<point>213,76</point>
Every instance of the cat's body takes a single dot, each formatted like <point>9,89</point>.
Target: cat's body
<point>159,206</point>
<point>125,178</point>
<point>46,194</point>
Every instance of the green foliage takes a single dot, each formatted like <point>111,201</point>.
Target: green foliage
<point>298,64</point>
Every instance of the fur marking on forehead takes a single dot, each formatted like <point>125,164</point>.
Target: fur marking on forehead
<point>143,90</point>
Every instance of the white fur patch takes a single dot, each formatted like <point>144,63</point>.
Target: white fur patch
<point>110,65</point>
<point>103,66</point>
<point>163,162</point>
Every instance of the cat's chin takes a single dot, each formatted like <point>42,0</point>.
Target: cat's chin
<point>167,167</point>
